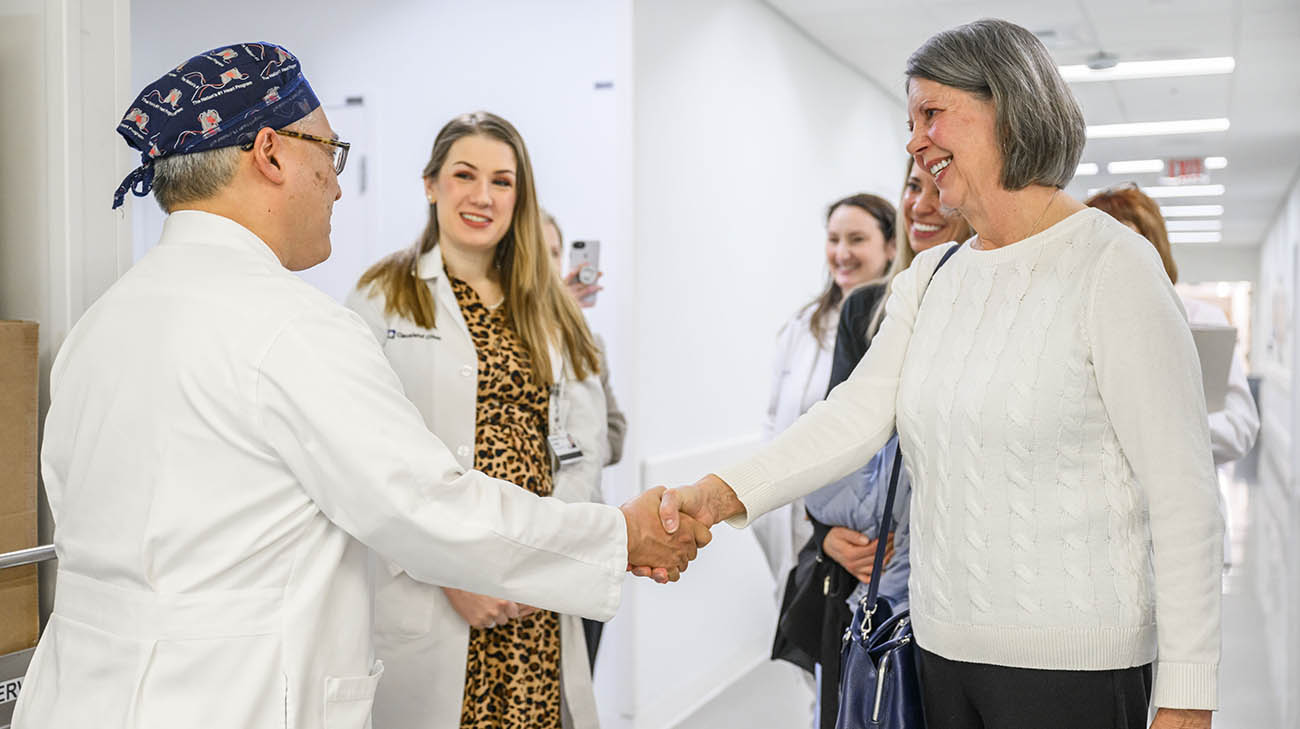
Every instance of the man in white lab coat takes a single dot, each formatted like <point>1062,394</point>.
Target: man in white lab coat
<point>226,447</point>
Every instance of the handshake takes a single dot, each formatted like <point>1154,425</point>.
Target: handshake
<point>667,527</point>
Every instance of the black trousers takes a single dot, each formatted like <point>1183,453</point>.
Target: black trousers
<point>980,696</point>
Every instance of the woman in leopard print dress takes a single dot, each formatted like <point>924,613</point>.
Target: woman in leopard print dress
<point>498,358</point>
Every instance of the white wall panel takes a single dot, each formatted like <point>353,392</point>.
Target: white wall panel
<point>1275,543</point>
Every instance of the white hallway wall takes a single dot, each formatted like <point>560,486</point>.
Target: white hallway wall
<point>744,131</point>
<point>1275,537</point>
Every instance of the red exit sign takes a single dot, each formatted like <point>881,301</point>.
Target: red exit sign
<point>1185,168</point>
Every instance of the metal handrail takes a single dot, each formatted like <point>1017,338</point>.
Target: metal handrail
<point>27,556</point>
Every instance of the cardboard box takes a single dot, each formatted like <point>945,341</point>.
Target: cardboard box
<point>19,610</point>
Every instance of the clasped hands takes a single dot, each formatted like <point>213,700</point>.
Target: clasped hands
<point>666,527</point>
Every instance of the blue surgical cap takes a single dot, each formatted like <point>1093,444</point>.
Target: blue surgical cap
<point>221,98</point>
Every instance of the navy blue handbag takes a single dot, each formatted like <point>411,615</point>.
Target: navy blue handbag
<point>880,687</point>
<point>879,684</point>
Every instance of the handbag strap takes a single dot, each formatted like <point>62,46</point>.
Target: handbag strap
<point>887,518</point>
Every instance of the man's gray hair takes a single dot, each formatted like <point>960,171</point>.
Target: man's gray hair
<point>186,178</point>
<point>1040,128</point>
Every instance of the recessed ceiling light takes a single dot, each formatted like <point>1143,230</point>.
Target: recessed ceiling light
<point>1193,225</point>
<point>1184,191</point>
<point>1150,129</point>
<point>1177,191</point>
<point>1195,237</point>
<point>1149,69</point>
<point>1191,211</point>
<point>1216,163</point>
<point>1135,166</point>
<point>1086,168</point>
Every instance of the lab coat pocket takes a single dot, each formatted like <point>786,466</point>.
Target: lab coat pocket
<point>348,700</point>
<point>404,607</point>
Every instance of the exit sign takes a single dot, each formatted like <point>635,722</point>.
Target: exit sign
<point>1185,170</point>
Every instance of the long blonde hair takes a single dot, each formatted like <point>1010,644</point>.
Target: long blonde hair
<point>903,255</point>
<point>538,310</point>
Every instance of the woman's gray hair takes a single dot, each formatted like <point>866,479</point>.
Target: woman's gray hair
<point>185,178</point>
<point>1040,128</point>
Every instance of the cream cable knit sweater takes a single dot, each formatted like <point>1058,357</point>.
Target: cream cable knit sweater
<point>1048,399</point>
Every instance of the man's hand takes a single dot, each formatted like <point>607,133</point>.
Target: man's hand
<point>854,552</point>
<point>481,611</point>
<point>584,294</point>
<point>1182,719</point>
<point>652,551</point>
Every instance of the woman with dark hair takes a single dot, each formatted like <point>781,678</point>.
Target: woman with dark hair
<point>498,359</point>
<point>859,247</point>
<point>1066,545</point>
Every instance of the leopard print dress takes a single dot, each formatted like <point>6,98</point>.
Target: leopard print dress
<point>512,672</point>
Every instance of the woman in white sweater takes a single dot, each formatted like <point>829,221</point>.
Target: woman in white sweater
<point>1047,395</point>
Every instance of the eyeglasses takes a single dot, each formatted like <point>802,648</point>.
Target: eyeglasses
<point>338,150</point>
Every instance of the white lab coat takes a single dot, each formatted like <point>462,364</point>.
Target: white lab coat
<point>223,445</point>
<point>1234,428</point>
<point>419,636</point>
<point>801,371</point>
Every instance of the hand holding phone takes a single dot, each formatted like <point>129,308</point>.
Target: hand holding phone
<point>584,273</point>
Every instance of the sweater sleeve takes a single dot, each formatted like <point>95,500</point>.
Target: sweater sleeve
<point>842,432</point>
<point>1149,379</point>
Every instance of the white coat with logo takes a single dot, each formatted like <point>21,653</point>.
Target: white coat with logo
<point>224,449</point>
<point>420,637</point>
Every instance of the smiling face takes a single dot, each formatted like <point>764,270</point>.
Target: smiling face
<point>475,191</point>
<point>954,137</point>
<point>927,222</point>
<point>856,249</point>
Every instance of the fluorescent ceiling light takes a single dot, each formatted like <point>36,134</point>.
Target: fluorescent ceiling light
<point>1191,211</point>
<point>1184,191</point>
<point>1216,163</point>
<point>1178,191</point>
<point>1195,237</point>
<point>1150,69</point>
<point>1150,129</point>
<point>1135,166</point>
<point>1193,225</point>
<point>1086,168</point>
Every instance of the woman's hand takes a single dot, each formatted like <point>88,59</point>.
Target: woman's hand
<point>583,293</point>
<point>854,552</point>
<point>1181,719</point>
<point>481,611</point>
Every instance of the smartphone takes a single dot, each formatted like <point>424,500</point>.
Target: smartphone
<point>584,257</point>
